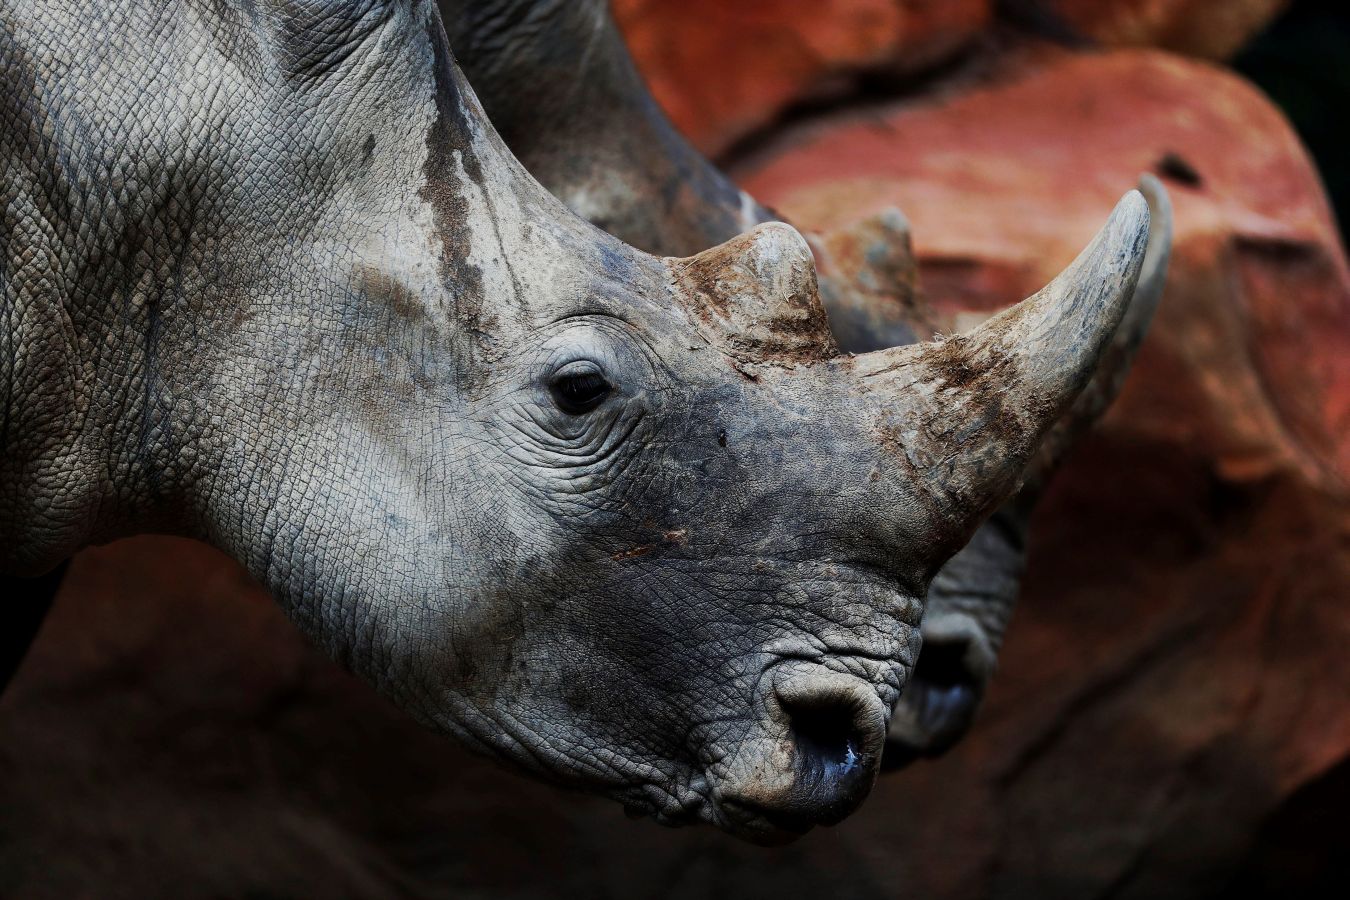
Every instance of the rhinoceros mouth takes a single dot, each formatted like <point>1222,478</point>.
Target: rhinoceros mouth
<point>808,756</point>
<point>689,804</point>
<point>726,814</point>
<point>759,827</point>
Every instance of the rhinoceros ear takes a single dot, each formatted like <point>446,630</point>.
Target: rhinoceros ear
<point>964,415</point>
<point>757,298</point>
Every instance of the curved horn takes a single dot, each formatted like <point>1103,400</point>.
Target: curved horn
<point>1153,278</point>
<point>1119,356</point>
<point>964,415</point>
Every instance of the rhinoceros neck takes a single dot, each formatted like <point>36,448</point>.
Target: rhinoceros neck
<point>79,328</point>
<point>68,412</point>
<point>559,83</point>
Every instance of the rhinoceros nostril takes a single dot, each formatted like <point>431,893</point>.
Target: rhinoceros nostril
<point>815,759</point>
<point>836,727</point>
<point>943,664</point>
<point>826,737</point>
<point>938,704</point>
<point>946,691</point>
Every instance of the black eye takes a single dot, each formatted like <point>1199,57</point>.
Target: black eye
<point>579,388</point>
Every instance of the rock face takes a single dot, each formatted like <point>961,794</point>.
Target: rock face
<point>1172,691</point>
<point>723,70</point>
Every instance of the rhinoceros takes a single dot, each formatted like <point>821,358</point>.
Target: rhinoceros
<point>630,523</point>
<point>557,81</point>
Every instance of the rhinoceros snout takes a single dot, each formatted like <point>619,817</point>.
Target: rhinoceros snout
<point>815,760</point>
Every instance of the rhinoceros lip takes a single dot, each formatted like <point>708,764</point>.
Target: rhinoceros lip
<point>727,815</point>
<point>741,820</point>
<point>758,826</point>
<point>687,805</point>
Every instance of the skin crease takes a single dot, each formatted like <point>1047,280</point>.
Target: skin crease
<point>557,80</point>
<point>271,280</point>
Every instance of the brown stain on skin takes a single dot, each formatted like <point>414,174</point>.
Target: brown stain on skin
<point>890,437</point>
<point>953,362</point>
<point>632,554</point>
<point>443,191</point>
<point>971,407</point>
<point>985,375</point>
<point>702,284</point>
<point>392,293</point>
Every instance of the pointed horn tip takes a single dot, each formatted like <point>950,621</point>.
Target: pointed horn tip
<point>1073,318</point>
<point>1005,383</point>
<point>1128,231</point>
<point>1133,212</point>
<point>1160,226</point>
<point>1159,201</point>
<point>1119,246</point>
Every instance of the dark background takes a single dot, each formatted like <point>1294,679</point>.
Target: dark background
<point>1303,63</point>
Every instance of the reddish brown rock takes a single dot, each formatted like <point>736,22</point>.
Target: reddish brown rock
<point>1211,29</point>
<point>723,69</point>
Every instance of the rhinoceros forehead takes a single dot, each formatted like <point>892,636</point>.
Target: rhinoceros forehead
<point>432,199</point>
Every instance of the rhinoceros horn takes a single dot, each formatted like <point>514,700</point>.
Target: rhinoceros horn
<point>1116,360</point>
<point>963,415</point>
<point>967,413</point>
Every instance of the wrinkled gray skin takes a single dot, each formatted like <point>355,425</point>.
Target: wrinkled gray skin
<point>631,524</point>
<point>557,80</point>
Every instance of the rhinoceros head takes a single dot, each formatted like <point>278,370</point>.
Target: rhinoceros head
<point>631,523</point>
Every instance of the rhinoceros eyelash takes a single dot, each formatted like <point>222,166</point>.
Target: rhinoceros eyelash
<point>579,387</point>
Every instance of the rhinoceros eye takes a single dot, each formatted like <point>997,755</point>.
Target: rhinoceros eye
<point>579,387</point>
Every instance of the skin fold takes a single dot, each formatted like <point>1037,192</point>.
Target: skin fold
<point>628,523</point>
<point>557,80</point>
